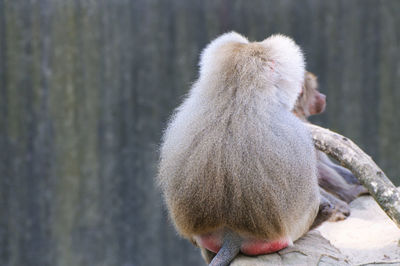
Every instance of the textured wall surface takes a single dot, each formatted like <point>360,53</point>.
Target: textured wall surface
<point>86,88</point>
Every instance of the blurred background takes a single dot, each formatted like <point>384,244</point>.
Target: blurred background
<point>86,88</point>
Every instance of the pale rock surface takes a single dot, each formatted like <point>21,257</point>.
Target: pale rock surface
<point>367,237</point>
<point>304,252</point>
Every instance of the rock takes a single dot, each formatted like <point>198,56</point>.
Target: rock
<point>312,249</point>
<point>366,237</point>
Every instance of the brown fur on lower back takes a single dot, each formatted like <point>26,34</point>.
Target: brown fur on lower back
<point>217,186</point>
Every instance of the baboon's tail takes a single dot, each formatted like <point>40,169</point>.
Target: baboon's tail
<point>230,248</point>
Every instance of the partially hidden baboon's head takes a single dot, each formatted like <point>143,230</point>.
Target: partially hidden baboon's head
<point>310,101</point>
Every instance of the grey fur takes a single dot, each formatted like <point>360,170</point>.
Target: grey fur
<point>234,156</point>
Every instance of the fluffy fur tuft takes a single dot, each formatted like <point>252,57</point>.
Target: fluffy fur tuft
<point>289,65</point>
<point>208,54</point>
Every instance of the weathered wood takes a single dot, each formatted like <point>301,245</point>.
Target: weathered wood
<point>362,166</point>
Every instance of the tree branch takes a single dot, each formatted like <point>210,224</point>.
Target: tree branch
<point>362,166</point>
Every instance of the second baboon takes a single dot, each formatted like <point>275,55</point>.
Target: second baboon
<point>333,178</point>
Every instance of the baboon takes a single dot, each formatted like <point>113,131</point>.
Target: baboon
<point>310,101</point>
<point>237,168</point>
<point>332,178</point>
